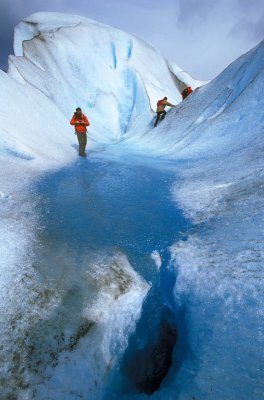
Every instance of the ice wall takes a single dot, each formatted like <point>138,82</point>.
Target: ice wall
<point>216,136</point>
<point>208,121</point>
<point>115,77</point>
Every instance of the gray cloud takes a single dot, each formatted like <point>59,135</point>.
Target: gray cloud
<point>6,32</point>
<point>250,23</point>
<point>191,13</point>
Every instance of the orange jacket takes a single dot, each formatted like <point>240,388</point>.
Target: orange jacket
<point>162,104</point>
<point>186,92</point>
<point>77,120</point>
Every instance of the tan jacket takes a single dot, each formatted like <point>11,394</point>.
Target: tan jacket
<point>163,105</point>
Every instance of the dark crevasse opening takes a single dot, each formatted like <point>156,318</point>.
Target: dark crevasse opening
<point>146,367</point>
<point>158,342</point>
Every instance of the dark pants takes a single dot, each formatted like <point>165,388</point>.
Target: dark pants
<point>160,116</point>
<point>82,139</point>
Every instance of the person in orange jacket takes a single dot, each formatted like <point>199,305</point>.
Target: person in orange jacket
<point>185,93</point>
<point>161,113</point>
<point>80,121</point>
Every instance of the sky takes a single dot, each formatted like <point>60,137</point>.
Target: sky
<point>202,36</point>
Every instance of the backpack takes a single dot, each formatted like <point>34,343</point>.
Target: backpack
<point>160,103</point>
<point>186,92</point>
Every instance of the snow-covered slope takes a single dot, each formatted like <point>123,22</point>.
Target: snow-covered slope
<point>206,121</point>
<point>217,137</point>
<point>213,142</point>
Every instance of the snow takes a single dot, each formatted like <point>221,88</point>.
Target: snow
<point>212,143</point>
<point>109,317</point>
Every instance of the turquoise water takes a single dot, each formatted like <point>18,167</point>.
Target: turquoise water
<point>108,206</point>
<point>111,205</point>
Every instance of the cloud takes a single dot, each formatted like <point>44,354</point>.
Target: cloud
<point>13,11</point>
<point>250,22</point>
<point>192,13</point>
<point>211,34</point>
<point>8,20</point>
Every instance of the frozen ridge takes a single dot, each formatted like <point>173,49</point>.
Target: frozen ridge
<point>212,142</point>
<point>56,53</point>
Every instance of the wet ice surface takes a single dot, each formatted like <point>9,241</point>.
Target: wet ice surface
<point>100,205</point>
<point>91,326</point>
<point>98,225</point>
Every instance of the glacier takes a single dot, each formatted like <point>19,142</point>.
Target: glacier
<point>136,272</point>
